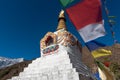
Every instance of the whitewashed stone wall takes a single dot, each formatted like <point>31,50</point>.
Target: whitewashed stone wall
<point>62,65</point>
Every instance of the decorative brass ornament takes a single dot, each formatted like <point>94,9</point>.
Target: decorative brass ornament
<point>66,39</point>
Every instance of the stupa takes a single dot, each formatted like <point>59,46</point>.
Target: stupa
<point>60,58</point>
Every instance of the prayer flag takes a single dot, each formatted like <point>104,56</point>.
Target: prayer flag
<point>95,49</point>
<point>101,52</point>
<point>86,16</point>
<point>65,2</point>
<point>104,72</point>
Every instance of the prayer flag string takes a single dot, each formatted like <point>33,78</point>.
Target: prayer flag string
<point>111,22</point>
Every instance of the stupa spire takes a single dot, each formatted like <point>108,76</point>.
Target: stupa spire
<point>61,21</point>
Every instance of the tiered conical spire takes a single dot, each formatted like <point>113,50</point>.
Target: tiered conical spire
<point>61,21</point>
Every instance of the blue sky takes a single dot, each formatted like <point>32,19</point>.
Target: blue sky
<point>24,22</point>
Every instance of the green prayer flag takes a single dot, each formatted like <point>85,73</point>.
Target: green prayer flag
<point>65,2</point>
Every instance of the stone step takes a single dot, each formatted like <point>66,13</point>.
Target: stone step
<point>38,67</point>
<point>48,69</point>
<point>53,62</point>
<point>50,58</point>
<point>69,74</point>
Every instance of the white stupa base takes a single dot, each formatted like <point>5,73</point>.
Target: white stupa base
<point>58,66</point>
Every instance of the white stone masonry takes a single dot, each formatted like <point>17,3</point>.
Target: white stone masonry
<point>61,65</point>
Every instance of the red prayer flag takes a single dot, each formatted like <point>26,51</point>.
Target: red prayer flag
<point>85,12</point>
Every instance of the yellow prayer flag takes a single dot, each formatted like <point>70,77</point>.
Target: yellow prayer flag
<point>101,52</point>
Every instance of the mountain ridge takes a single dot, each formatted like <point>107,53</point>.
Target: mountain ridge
<point>5,62</point>
<point>13,70</point>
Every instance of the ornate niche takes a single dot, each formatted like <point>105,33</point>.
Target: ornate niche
<point>48,43</point>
